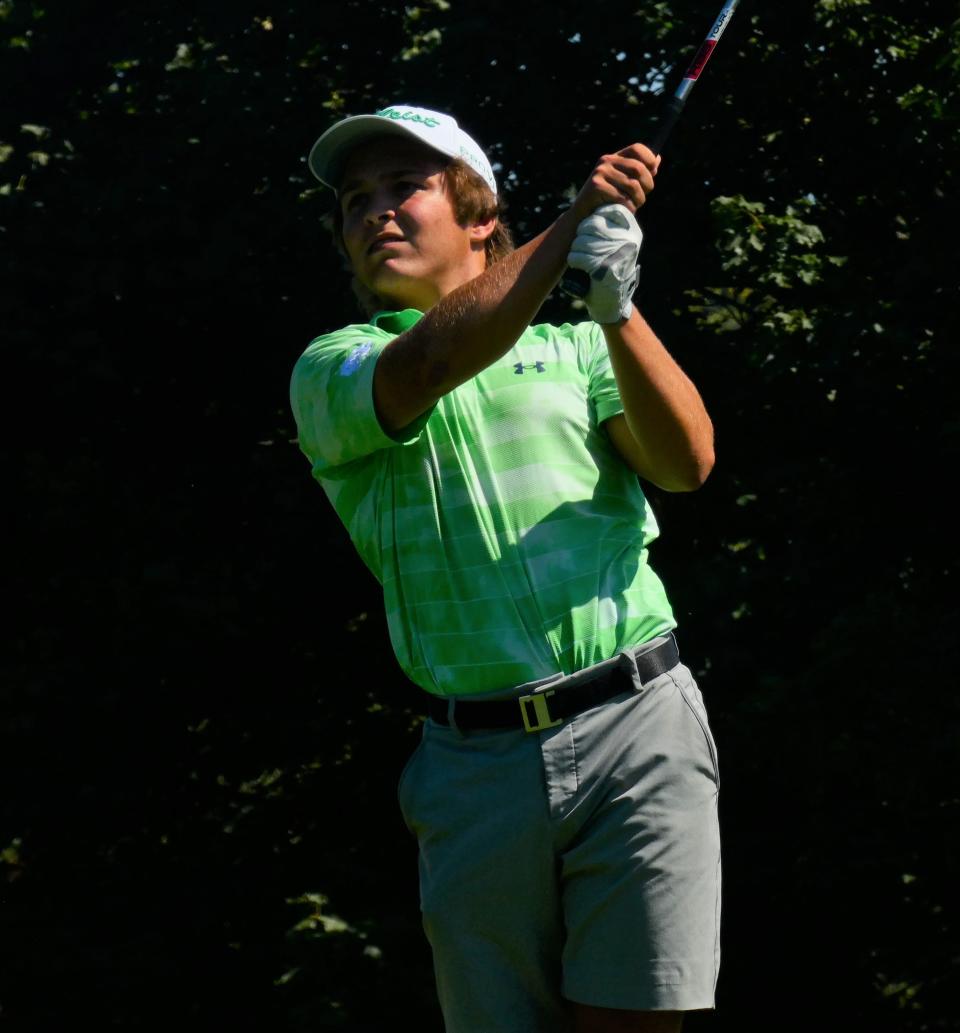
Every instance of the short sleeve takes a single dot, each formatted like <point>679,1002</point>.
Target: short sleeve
<point>331,395</point>
<point>602,384</point>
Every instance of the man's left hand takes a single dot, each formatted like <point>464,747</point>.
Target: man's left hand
<point>607,249</point>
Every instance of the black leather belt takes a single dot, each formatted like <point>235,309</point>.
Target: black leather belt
<point>549,707</point>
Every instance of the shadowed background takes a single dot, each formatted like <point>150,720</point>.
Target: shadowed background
<point>202,721</point>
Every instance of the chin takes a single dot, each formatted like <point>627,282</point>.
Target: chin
<point>396,290</point>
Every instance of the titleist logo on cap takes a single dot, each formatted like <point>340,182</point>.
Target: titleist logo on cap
<point>407,116</point>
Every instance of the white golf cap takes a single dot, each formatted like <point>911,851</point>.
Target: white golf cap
<point>436,130</point>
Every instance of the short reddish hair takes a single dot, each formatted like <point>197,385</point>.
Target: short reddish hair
<point>473,202</point>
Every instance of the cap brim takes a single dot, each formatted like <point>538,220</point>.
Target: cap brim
<point>329,154</point>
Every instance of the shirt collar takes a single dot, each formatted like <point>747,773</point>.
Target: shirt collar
<point>396,322</point>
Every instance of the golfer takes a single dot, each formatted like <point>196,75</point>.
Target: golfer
<point>564,791</point>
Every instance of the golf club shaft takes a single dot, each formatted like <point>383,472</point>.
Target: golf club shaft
<point>575,281</point>
<point>692,74</point>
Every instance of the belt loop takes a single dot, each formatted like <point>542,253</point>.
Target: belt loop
<point>628,663</point>
<point>452,717</point>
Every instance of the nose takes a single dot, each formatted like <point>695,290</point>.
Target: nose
<point>373,217</point>
<point>379,210</point>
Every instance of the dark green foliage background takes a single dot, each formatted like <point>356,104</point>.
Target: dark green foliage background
<point>202,722</point>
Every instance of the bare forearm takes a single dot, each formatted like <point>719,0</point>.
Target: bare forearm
<point>470,328</point>
<point>668,422</point>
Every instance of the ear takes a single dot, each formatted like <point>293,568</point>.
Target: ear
<point>479,232</point>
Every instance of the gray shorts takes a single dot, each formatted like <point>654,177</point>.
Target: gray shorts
<point>578,863</point>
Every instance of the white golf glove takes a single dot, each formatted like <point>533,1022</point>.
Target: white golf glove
<point>607,249</point>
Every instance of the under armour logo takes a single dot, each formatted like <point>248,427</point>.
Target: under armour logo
<point>538,366</point>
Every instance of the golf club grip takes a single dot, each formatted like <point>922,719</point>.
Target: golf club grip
<point>576,283</point>
<point>666,124</point>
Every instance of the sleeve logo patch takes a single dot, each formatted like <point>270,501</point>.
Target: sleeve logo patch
<point>352,362</point>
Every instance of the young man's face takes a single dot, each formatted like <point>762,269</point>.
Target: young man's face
<point>399,229</point>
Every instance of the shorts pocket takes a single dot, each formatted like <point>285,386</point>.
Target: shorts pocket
<point>403,782</point>
<point>694,700</point>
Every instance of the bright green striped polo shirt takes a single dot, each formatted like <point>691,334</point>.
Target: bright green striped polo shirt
<point>509,537</point>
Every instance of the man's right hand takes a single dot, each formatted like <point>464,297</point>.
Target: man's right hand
<point>626,177</point>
